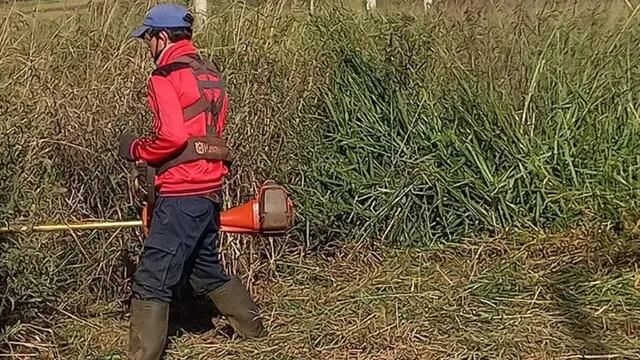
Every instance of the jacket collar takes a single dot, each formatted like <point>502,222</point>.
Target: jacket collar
<point>175,50</point>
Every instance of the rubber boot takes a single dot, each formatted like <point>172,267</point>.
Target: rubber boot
<point>148,329</point>
<point>234,302</point>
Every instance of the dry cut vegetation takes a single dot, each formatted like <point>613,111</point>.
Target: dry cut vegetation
<point>542,297</point>
<point>398,128</point>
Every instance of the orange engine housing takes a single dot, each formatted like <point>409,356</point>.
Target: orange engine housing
<point>271,213</point>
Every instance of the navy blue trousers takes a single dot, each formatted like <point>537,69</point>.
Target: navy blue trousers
<point>182,244</point>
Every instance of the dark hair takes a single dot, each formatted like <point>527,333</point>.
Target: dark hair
<point>174,34</point>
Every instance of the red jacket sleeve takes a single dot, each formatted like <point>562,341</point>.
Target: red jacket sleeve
<point>170,134</point>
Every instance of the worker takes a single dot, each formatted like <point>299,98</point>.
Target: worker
<point>189,103</point>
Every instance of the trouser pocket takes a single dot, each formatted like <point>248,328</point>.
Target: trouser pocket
<point>162,261</point>
<point>155,266</point>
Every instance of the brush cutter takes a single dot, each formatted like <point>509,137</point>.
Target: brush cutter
<point>270,213</point>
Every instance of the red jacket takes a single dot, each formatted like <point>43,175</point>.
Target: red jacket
<point>167,96</point>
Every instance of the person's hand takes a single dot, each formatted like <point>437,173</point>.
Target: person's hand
<point>139,177</point>
<point>126,142</point>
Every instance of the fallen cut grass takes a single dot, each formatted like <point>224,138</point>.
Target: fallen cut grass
<point>525,296</point>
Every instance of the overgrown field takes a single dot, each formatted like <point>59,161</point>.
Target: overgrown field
<point>400,128</point>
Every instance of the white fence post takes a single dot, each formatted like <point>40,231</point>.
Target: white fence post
<point>371,4</point>
<point>200,7</point>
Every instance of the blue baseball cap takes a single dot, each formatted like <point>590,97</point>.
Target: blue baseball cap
<point>164,16</point>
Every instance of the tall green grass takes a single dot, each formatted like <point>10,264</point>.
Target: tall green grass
<point>405,127</point>
<point>437,129</point>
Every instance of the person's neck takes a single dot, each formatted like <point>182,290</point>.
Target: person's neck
<point>163,52</point>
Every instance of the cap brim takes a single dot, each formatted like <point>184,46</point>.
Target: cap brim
<point>139,32</point>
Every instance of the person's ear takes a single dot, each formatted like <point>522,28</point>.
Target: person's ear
<point>164,37</point>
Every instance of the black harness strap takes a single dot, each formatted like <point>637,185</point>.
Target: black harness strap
<point>165,70</point>
<point>199,66</point>
<point>195,109</point>
<point>204,147</point>
<point>210,84</point>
